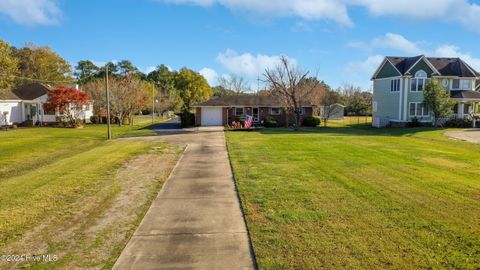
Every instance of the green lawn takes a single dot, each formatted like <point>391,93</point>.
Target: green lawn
<point>53,180</point>
<point>359,198</point>
<point>27,149</point>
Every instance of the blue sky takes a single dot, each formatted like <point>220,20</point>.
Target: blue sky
<point>342,41</point>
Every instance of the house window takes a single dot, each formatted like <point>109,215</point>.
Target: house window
<point>395,85</point>
<point>419,109</point>
<point>275,111</point>
<point>466,84</point>
<point>418,83</point>
<point>50,112</point>
<point>301,110</point>
<point>456,84</point>
<point>239,111</point>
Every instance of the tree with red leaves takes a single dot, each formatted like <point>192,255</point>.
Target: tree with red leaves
<point>68,102</point>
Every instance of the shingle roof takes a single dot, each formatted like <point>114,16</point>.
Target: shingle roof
<point>465,94</point>
<point>445,66</point>
<point>403,63</point>
<point>25,92</point>
<point>243,100</point>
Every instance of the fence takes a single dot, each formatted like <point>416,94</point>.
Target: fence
<point>351,121</point>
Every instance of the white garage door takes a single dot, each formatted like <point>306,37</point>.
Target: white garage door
<point>211,116</point>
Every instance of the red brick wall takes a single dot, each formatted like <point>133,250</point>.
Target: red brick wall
<point>225,114</point>
<point>198,116</point>
<point>308,112</point>
<point>229,115</point>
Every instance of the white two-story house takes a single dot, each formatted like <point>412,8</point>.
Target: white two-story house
<point>398,85</point>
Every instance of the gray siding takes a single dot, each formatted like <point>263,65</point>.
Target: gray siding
<point>415,97</point>
<point>388,102</point>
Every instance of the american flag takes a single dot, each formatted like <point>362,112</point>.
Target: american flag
<point>248,121</point>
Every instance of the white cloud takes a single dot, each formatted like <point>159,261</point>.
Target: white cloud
<point>210,75</point>
<point>364,68</point>
<point>454,51</point>
<point>460,11</point>
<point>333,10</point>
<point>31,12</point>
<point>389,41</point>
<point>248,65</point>
<point>397,42</point>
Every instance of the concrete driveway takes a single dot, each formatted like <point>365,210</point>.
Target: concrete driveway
<point>469,135</point>
<point>196,221</point>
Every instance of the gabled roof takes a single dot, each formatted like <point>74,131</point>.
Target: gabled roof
<point>445,66</point>
<point>403,63</point>
<point>243,100</point>
<point>26,92</point>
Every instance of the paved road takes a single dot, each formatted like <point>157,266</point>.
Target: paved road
<point>196,221</point>
<point>170,124</point>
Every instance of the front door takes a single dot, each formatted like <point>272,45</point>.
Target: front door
<point>256,114</point>
<point>31,112</point>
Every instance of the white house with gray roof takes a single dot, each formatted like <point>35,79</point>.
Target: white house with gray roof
<point>25,104</point>
<point>398,85</point>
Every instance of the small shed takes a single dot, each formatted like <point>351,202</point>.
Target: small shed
<point>332,112</point>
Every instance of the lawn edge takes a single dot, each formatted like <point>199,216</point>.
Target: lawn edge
<point>242,206</point>
<point>182,154</point>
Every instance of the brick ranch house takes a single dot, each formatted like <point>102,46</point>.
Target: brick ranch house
<point>220,111</point>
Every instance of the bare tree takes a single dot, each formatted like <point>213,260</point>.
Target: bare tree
<point>287,82</point>
<point>128,96</point>
<point>234,83</point>
<point>137,98</point>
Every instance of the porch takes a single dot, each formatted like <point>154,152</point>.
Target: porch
<point>33,113</point>
<point>467,105</point>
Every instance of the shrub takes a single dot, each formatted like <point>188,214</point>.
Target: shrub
<point>187,119</point>
<point>415,122</point>
<point>240,119</point>
<point>458,123</point>
<point>311,122</point>
<point>94,119</point>
<point>270,122</point>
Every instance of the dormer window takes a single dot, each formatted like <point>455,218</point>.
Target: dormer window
<point>418,83</point>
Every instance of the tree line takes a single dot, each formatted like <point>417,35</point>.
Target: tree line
<point>131,91</point>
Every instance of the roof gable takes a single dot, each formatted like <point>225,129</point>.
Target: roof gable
<point>421,64</point>
<point>26,92</point>
<point>386,70</point>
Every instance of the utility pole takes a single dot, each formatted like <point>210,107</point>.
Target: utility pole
<point>108,103</point>
<point>153,102</point>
